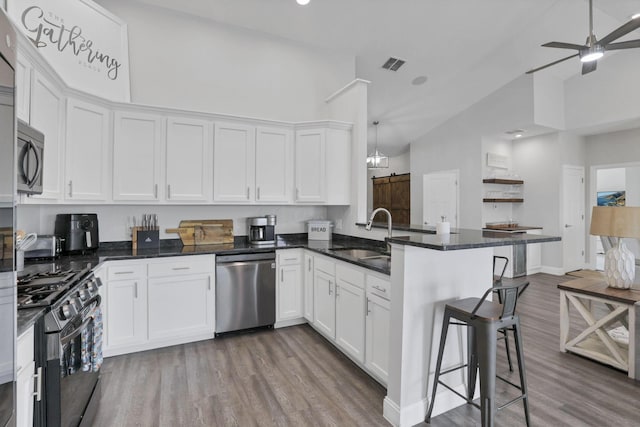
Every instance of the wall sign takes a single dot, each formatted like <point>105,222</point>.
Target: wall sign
<point>86,44</point>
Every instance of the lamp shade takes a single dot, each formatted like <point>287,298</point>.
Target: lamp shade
<point>615,221</point>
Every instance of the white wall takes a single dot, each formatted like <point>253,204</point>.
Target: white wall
<point>181,61</point>
<point>494,212</point>
<point>632,184</point>
<point>113,220</point>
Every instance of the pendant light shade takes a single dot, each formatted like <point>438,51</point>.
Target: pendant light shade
<point>377,160</point>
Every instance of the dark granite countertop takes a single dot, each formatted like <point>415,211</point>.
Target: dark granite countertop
<point>470,239</point>
<point>431,229</point>
<point>27,317</point>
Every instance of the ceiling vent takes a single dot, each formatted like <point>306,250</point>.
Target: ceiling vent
<point>392,64</point>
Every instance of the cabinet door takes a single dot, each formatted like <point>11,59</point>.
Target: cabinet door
<point>289,292</point>
<point>534,255</point>
<point>324,303</point>
<point>350,319</point>
<point>47,115</point>
<point>86,151</point>
<point>180,306</point>
<point>377,337</point>
<point>274,165</point>
<point>233,163</point>
<point>23,88</point>
<point>24,395</point>
<point>308,287</point>
<point>310,161</point>
<point>126,313</point>
<point>338,172</point>
<point>189,160</point>
<point>137,144</point>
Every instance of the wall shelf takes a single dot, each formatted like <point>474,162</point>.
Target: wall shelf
<point>502,181</point>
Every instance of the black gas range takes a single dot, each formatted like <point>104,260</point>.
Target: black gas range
<point>67,343</point>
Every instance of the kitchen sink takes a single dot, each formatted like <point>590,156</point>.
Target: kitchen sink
<point>380,261</point>
<point>367,256</point>
<point>357,253</point>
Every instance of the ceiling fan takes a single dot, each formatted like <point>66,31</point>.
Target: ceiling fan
<point>594,49</point>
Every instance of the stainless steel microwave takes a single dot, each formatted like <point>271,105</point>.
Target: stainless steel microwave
<point>30,159</point>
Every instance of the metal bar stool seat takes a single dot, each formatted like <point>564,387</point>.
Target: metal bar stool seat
<point>484,319</point>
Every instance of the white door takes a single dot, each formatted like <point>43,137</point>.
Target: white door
<point>189,160</point>
<point>573,239</point>
<point>324,303</point>
<point>233,163</point>
<point>137,141</point>
<point>350,319</point>
<point>440,197</point>
<point>274,165</point>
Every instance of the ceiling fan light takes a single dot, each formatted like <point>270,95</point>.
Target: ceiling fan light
<point>594,53</point>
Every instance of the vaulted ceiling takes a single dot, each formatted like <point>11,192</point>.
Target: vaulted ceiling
<point>466,49</point>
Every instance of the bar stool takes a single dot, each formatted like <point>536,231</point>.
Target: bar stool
<point>484,320</point>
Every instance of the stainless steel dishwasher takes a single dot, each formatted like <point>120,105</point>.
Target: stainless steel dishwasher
<point>245,291</point>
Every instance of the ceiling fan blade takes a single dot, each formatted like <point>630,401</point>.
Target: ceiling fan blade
<point>629,44</point>
<point>588,67</point>
<point>551,63</point>
<point>620,31</point>
<point>562,45</point>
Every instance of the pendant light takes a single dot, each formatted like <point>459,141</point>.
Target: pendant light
<point>377,160</point>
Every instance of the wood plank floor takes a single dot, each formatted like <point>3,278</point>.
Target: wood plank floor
<point>293,377</point>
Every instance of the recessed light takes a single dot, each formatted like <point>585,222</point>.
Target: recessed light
<point>302,2</point>
<point>635,16</point>
<point>518,135</point>
<point>420,80</point>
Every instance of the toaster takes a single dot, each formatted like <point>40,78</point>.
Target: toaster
<point>45,247</point>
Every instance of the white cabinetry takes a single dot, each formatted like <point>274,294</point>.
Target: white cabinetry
<point>273,165</point>
<point>534,255</point>
<point>350,311</point>
<point>25,379</point>
<point>137,144</point>
<point>48,116</point>
<point>23,88</point>
<point>324,302</point>
<point>233,162</point>
<point>377,327</point>
<point>86,151</point>
<point>189,160</point>
<point>181,298</point>
<point>310,170</point>
<point>308,286</point>
<point>289,288</point>
<point>156,303</point>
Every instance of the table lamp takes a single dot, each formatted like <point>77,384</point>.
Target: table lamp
<point>619,261</point>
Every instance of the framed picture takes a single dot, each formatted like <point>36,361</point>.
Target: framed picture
<point>86,44</point>
<point>611,198</point>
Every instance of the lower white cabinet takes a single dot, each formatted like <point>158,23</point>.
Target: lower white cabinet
<point>377,330</point>
<point>25,379</point>
<point>350,311</point>
<point>155,303</point>
<point>308,287</point>
<point>324,302</point>
<point>289,286</point>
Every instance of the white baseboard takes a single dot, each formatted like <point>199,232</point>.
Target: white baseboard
<point>290,322</point>
<point>556,271</point>
<point>414,413</point>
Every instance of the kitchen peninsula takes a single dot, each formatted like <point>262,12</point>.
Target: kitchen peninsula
<point>427,271</point>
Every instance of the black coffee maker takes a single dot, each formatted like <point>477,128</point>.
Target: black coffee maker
<point>79,231</point>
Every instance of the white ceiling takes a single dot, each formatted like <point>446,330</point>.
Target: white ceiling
<point>466,48</point>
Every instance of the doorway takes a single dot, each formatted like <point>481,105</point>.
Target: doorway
<point>573,231</point>
<point>441,197</point>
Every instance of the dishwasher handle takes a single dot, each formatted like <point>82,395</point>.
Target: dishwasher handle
<point>260,256</point>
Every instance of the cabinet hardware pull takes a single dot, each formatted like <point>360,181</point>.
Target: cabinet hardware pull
<point>329,287</point>
<point>209,283</point>
<point>379,288</point>
<point>181,268</point>
<point>248,193</point>
<point>258,193</point>
<point>290,259</point>
<point>155,191</point>
<point>38,377</point>
<point>71,188</point>
<point>281,275</point>
<point>309,264</point>
<point>368,310</point>
<point>123,272</point>
<point>135,290</point>
<point>168,191</point>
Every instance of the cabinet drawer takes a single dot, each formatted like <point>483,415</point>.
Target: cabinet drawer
<point>325,265</point>
<point>182,265</point>
<point>351,275</point>
<point>378,286</point>
<point>126,271</point>
<point>24,349</point>
<point>290,257</point>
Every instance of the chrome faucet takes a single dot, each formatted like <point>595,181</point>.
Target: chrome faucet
<point>389,222</point>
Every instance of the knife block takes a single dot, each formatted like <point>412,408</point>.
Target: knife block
<point>145,239</point>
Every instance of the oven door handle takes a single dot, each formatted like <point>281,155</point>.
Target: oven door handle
<point>67,338</point>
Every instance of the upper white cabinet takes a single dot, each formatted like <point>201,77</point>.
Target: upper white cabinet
<point>273,165</point>
<point>48,116</point>
<point>86,151</point>
<point>233,160</point>
<point>23,88</point>
<point>310,160</point>
<point>137,144</point>
<point>188,164</point>
<point>338,164</point>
